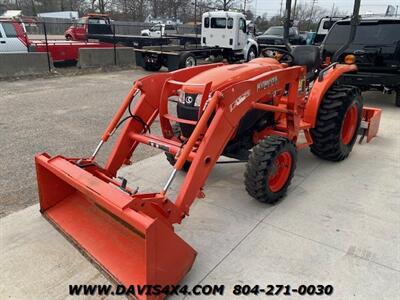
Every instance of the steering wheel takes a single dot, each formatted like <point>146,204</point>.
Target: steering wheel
<point>281,55</point>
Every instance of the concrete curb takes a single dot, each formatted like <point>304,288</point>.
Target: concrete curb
<point>100,57</point>
<point>22,64</point>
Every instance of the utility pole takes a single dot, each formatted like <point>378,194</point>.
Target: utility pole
<point>195,15</point>
<point>294,9</point>
<point>280,11</point>
<point>311,13</point>
<point>333,9</point>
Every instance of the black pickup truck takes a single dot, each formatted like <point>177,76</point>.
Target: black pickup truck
<point>274,36</point>
<point>377,50</point>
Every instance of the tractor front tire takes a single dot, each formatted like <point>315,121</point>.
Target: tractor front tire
<point>270,169</point>
<point>170,157</point>
<point>338,121</point>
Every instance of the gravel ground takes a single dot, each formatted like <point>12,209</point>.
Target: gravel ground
<point>61,115</point>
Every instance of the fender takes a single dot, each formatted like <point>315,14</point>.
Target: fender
<point>321,87</point>
<point>250,42</point>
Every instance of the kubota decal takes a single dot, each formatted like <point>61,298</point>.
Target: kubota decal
<point>267,83</point>
<point>239,100</point>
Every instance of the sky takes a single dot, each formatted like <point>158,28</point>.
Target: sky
<point>272,7</point>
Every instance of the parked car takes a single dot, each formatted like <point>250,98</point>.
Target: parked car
<point>376,50</point>
<point>13,38</point>
<point>323,27</point>
<point>159,30</point>
<point>89,24</point>
<point>274,36</point>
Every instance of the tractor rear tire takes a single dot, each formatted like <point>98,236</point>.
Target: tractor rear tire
<point>270,169</point>
<point>338,121</point>
<point>170,157</point>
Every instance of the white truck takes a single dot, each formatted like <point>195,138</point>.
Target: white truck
<point>12,38</point>
<point>159,30</point>
<point>323,27</point>
<point>224,35</point>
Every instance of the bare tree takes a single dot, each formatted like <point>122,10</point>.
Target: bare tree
<point>308,15</point>
<point>224,4</point>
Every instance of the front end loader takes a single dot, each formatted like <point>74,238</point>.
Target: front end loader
<point>262,112</point>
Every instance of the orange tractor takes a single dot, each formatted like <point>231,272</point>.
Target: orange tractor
<point>263,112</point>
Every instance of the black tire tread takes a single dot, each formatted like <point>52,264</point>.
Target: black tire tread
<point>260,161</point>
<point>327,132</point>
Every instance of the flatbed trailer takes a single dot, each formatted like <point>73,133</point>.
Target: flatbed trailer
<point>139,41</point>
<point>136,41</point>
<point>63,51</point>
<point>185,39</point>
<point>178,57</point>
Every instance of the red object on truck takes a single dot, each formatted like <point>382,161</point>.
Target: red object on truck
<point>65,50</point>
<point>59,50</point>
<point>91,23</point>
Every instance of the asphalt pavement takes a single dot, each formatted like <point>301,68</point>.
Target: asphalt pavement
<point>60,115</point>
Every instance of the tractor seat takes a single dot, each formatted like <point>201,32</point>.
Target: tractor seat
<point>308,56</point>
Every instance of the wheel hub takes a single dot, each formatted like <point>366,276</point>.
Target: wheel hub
<point>190,62</point>
<point>349,125</point>
<point>280,171</point>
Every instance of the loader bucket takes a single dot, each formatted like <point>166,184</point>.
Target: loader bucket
<point>131,247</point>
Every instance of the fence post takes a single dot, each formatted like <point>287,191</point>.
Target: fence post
<point>47,45</point>
<point>115,47</point>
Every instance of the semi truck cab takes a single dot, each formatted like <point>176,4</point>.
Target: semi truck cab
<point>226,29</point>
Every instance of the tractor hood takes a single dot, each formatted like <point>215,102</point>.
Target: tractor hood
<point>227,75</point>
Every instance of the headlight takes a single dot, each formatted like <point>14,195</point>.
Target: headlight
<point>189,99</point>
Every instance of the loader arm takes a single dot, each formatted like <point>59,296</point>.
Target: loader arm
<point>146,109</point>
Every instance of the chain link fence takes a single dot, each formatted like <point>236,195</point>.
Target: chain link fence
<point>61,39</point>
